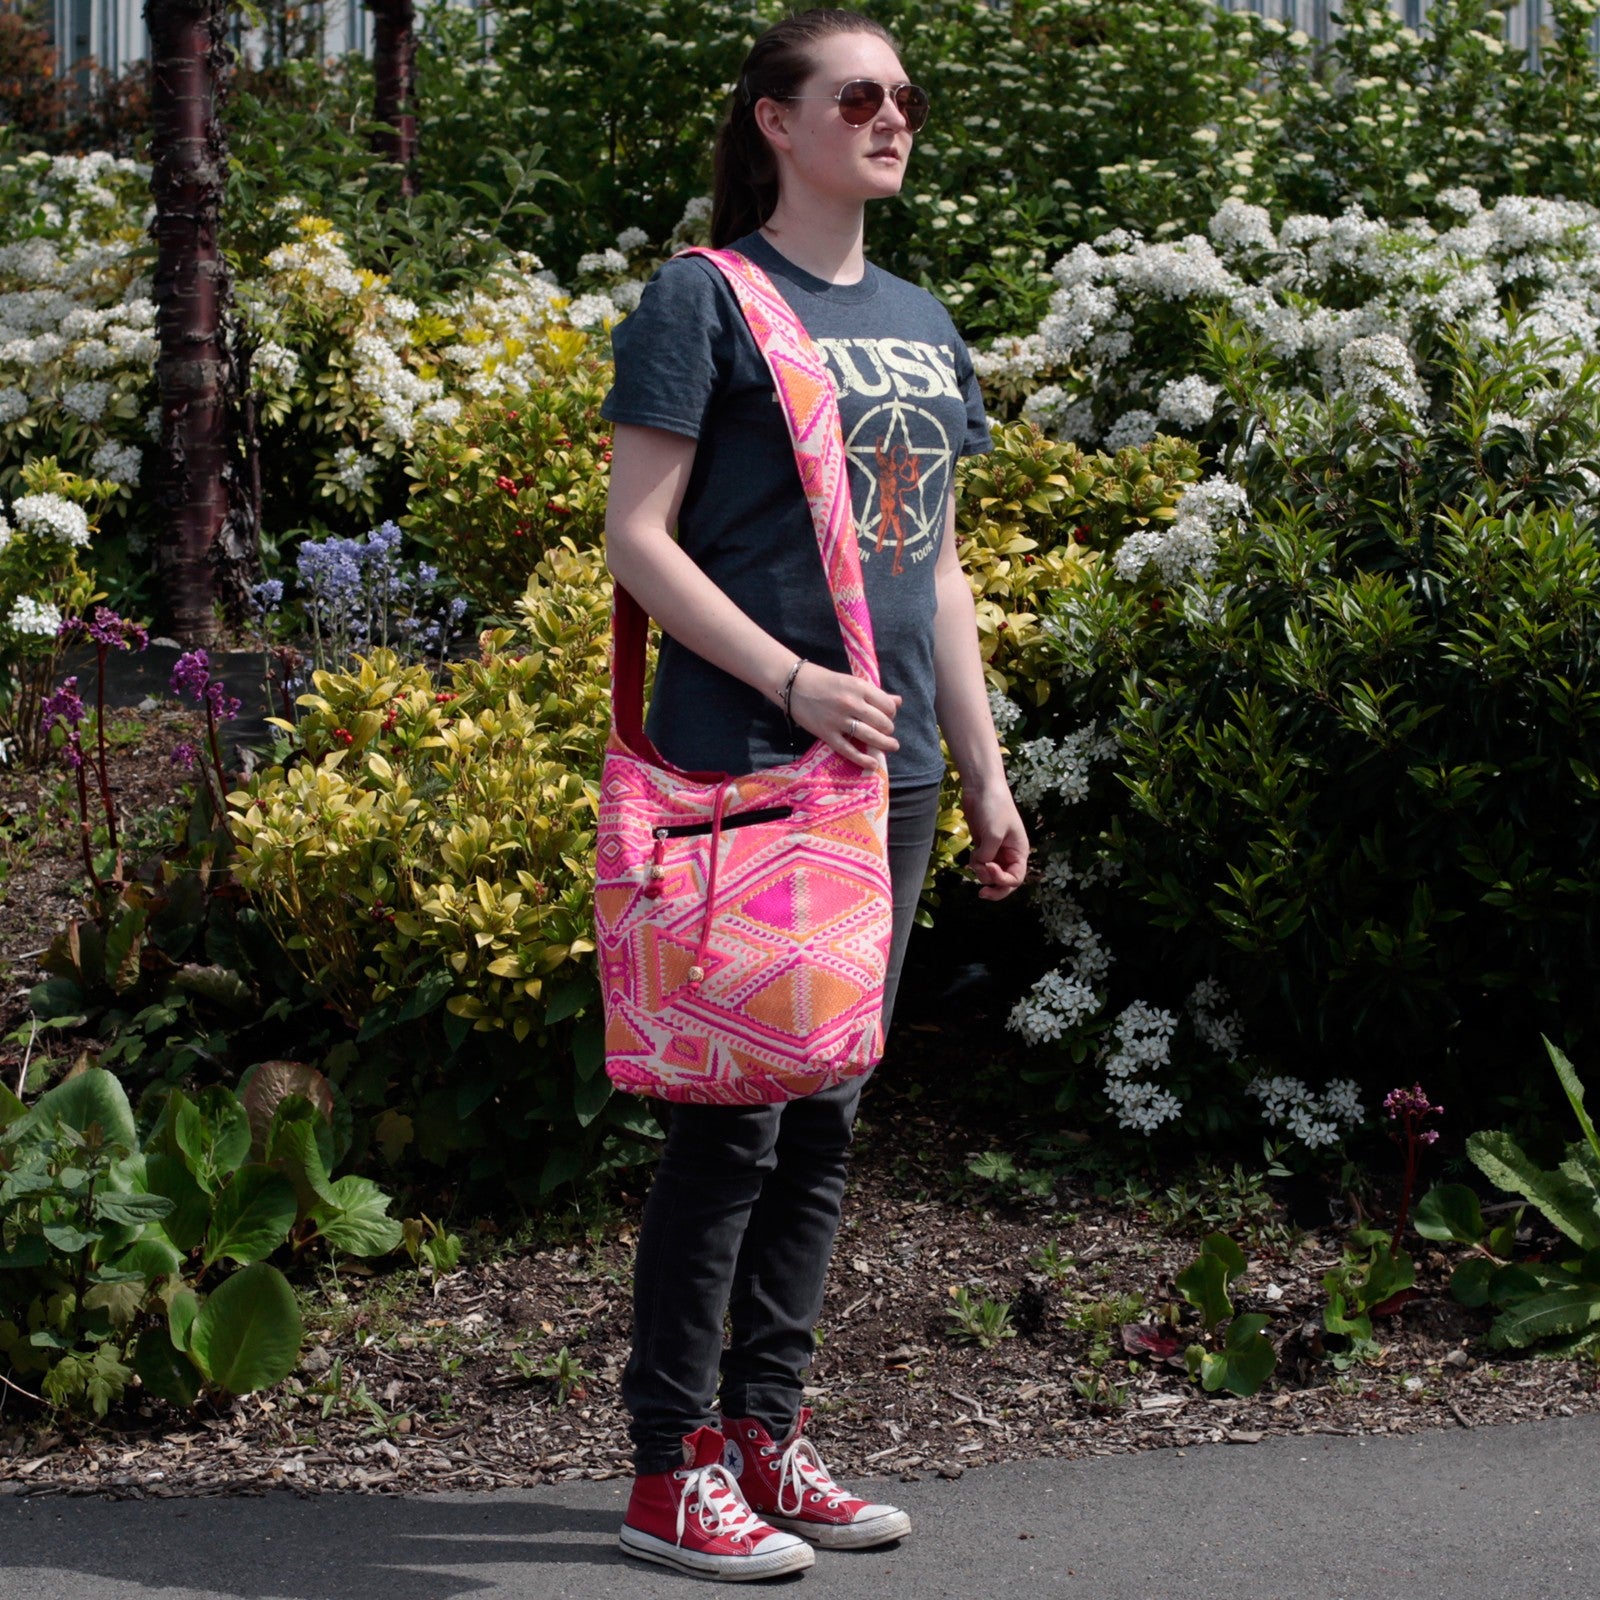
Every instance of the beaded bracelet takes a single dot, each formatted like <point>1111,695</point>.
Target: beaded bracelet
<point>787,691</point>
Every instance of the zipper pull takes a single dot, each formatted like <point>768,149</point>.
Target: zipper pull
<point>657,870</point>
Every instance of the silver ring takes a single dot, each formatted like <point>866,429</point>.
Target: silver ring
<point>850,727</point>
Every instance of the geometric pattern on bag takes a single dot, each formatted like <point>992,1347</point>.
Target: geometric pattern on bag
<point>743,923</point>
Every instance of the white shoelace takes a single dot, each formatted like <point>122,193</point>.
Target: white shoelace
<point>801,1468</point>
<point>717,1503</point>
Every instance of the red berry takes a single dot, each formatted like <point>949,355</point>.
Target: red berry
<point>507,484</point>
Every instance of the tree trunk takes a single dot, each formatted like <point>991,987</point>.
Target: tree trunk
<point>188,62</point>
<point>394,64</point>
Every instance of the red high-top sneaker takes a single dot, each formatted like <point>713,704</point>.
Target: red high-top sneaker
<point>695,1519</point>
<point>788,1485</point>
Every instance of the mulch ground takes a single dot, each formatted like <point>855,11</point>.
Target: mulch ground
<point>406,1385</point>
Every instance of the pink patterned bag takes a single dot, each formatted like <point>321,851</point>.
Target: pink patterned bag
<point>743,923</point>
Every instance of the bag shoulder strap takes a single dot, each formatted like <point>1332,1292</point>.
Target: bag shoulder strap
<point>811,412</point>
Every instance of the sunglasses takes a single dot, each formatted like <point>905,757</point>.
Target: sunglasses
<point>861,99</point>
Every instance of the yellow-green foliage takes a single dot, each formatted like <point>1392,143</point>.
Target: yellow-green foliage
<point>1034,513</point>
<point>455,827</point>
<point>515,474</point>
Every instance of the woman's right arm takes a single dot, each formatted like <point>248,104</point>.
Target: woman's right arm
<point>649,472</point>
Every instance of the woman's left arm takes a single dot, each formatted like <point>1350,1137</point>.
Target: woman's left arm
<point>961,697</point>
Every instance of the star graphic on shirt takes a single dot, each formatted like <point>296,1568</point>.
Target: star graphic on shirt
<point>907,476</point>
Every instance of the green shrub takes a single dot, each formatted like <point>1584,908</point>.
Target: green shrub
<point>427,860</point>
<point>107,1237</point>
<point>512,477</point>
<point>1330,739</point>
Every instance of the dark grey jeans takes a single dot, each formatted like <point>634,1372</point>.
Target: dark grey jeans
<point>740,1222</point>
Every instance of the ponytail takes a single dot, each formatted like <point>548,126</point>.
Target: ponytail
<point>744,188</point>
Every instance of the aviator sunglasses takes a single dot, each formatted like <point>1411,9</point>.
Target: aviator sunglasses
<point>861,99</point>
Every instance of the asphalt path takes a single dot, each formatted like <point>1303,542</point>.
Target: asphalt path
<point>1505,1513</point>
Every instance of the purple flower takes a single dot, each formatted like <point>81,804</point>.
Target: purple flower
<point>64,706</point>
<point>224,707</point>
<point>107,631</point>
<point>267,596</point>
<point>184,755</point>
<point>1410,1102</point>
<point>191,674</point>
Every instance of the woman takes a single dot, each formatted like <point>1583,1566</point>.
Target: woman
<point>742,1215</point>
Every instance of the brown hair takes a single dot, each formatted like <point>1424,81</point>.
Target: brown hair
<point>744,190</point>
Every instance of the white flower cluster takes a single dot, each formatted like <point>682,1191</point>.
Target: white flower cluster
<point>1342,300</point>
<point>1188,543</point>
<point>393,390</point>
<point>1057,1002</point>
<point>602,261</point>
<point>351,469</point>
<point>1005,712</point>
<point>274,364</point>
<point>119,463</point>
<point>1220,1029</point>
<point>1046,767</point>
<point>1142,1044</point>
<point>1315,1120</point>
<point>37,617</point>
<point>52,516</point>
<point>592,311</point>
<point>631,239</point>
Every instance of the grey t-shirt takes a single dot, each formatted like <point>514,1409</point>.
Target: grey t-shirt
<point>909,403</point>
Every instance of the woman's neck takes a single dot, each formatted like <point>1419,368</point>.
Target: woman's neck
<point>824,240</point>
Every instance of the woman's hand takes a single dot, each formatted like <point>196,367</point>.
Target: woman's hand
<point>845,712</point>
<point>999,859</point>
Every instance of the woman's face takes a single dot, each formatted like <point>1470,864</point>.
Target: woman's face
<point>824,152</point>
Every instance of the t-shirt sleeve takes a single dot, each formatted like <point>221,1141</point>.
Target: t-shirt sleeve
<point>668,352</point>
<point>978,440</point>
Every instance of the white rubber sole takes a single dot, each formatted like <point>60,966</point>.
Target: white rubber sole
<point>723,1569</point>
<point>848,1536</point>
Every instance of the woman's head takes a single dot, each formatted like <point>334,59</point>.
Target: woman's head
<point>784,107</point>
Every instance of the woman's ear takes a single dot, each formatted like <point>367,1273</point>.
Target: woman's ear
<point>770,119</point>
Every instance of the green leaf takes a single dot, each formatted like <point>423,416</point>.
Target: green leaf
<point>248,1333</point>
<point>1469,1283</point>
<point>220,985</point>
<point>64,1237</point>
<point>252,1216</point>
<point>1204,1284</point>
<point>91,1098</point>
<point>151,1257</point>
<point>1574,1088</point>
<point>1449,1211</point>
<point>589,1046</point>
<point>120,1300</point>
<point>213,1133</point>
<point>561,1166</point>
<point>29,1251</point>
<point>164,1369</point>
<point>137,1209</point>
<point>1565,1310</point>
<point>297,1145</point>
<point>355,1219</point>
<point>1231,1256</point>
<point>1569,1206</point>
<point>1245,1361</point>
<point>589,1097</point>
<point>1336,1317</point>
<point>170,1177</point>
<point>124,940</point>
<point>10,1108</point>
<point>182,1311</point>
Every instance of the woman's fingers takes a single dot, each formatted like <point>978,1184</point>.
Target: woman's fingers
<point>852,717</point>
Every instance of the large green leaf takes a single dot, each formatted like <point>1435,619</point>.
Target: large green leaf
<point>10,1108</point>
<point>248,1333</point>
<point>90,1098</point>
<point>1574,1088</point>
<point>299,1145</point>
<point>170,1177</point>
<point>1568,1205</point>
<point>1469,1283</point>
<point>182,1312</point>
<point>1245,1361</point>
<point>213,1133</point>
<point>1449,1211</point>
<point>164,1369</point>
<point>252,1215</point>
<point>1569,1309</point>
<point>1204,1284</point>
<point>354,1218</point>
<point>138,1209</point>
<point>153,1256</point>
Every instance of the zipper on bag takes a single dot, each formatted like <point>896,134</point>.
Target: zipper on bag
<point>740,819</point>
